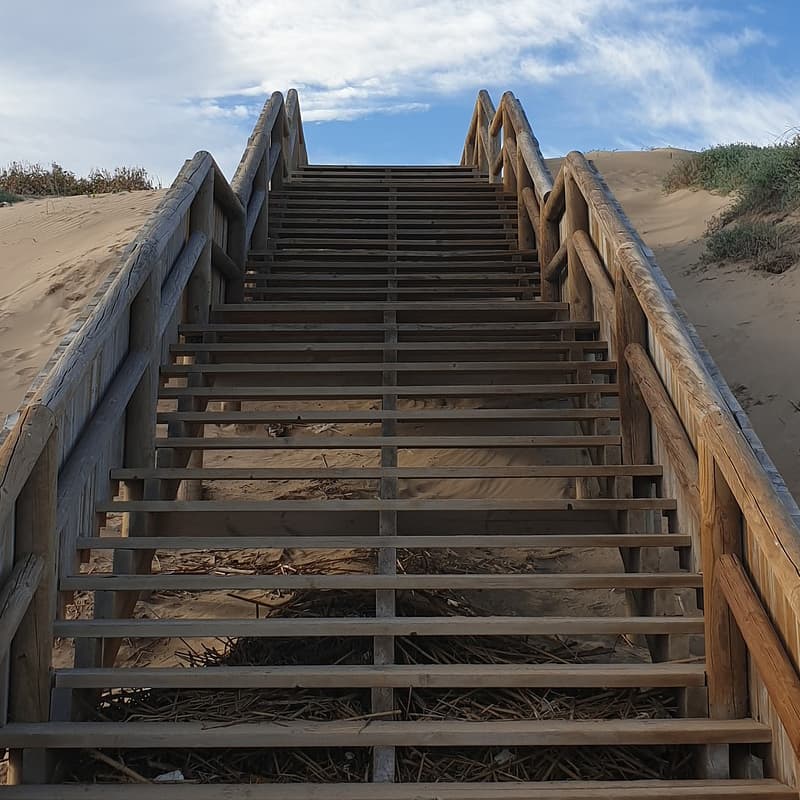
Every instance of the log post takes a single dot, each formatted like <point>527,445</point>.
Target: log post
<point>140,434</point>
<point>260,235</point>
<point>237,250</point>
<point>630,328</point>
<point>31,651</point>
<point>494,152</point>
<point>198,302</point>
<point>509,178</point>
<point>525,223</point>
<point>720,535</point>
<point>578,287</point>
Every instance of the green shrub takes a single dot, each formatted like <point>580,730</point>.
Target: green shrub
<point>762,178</point>
<point>760,242</point>
<point>7,197</point>
<point>32,180</point>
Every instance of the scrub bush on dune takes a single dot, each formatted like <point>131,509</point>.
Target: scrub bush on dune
<point>22,179</point>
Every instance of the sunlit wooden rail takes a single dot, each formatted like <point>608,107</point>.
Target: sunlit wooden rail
<point>414,302</point>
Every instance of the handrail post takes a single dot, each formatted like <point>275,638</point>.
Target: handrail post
<point>30,663</point>
<point>630,327</point>
<point>578,287</point>
<point>198,297</point>
<point>494,151</point>
<point>526,240</point>
<point>139,451</point>
<point>720,534</point>
<point>509,178</point>
<point>261,181</point>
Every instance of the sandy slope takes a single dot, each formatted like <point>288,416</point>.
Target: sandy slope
<point>748,320</point>
<point>53,254</point>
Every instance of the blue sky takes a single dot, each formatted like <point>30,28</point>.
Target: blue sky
<point>96,83</point>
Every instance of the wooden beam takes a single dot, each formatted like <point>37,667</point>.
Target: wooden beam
<point>399,676</point>
<point>553,270</point>
<point>16,596</point>
<point>485,790</point>
<point>766,650</point>
<point>720,535</point>
<point>602,288</point>
<point>672,434</point>
<point>380,582</point>
<point>376,504</point>
<point>370,626</point>
<point>530,733</point>
<point>335,541</point>
<point>372,442</point>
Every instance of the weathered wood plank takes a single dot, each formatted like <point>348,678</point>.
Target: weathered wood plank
<point>370,541</point>
<point>380,582</point>
<point>551,790</point>
<point>392,675</point>
<point>537,733</point>
<point>386,626</point>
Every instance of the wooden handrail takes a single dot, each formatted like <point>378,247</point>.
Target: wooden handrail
<point>672,406</point>
<point>96,398</point>
<point>766,650</point>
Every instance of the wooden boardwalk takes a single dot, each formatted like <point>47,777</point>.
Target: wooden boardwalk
<point>451,410</point>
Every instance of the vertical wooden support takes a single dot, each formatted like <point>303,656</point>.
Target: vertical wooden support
<point>31,651</point>
<point>494,151</point>
<point>509,178</point>
<point>383,758</point>
<point>198,301</point>
<point>720,534</point>
<point>548,244</point>
<point>578,286</point>
<point>261,181</point>
<point>237,250</point>
<point>630,327</point>
<point>526,240</point>
<point>140,432</point>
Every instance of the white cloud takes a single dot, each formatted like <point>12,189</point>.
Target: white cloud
<point>150,81</point>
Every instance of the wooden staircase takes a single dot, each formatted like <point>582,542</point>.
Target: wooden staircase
<point>394,387</point>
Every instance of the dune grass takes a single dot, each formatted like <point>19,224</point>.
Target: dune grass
<point>765,183</point>
<point>21,179</point>
<point>7,197</point>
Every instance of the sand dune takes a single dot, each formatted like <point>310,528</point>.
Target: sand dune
<point>748,320</point>
<point>53,255</point>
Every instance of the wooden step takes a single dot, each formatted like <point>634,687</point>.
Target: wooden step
<point>438,350</point>
<point>302,627</point>
<point>532,307</point>
<point>371,541</point>
<point>536,733</point>
<point>420,280</point>
<point>376,441</point>
<point>175,582</point>
<point>379,293</point>
<point>353,226</point>
<point>505,790</point>
<point>445,676</point>
<point>277,369</point>
<point>321,253</point>
<point>378,504</point>
<point>478,328</point>
<point>554,390</point>
<point>310,214</point>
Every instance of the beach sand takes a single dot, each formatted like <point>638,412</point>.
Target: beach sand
<point>748,320</point>
<point>53,255</point>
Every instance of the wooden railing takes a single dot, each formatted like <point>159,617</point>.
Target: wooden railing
<point>93,407</point>
<point>674,412</point>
